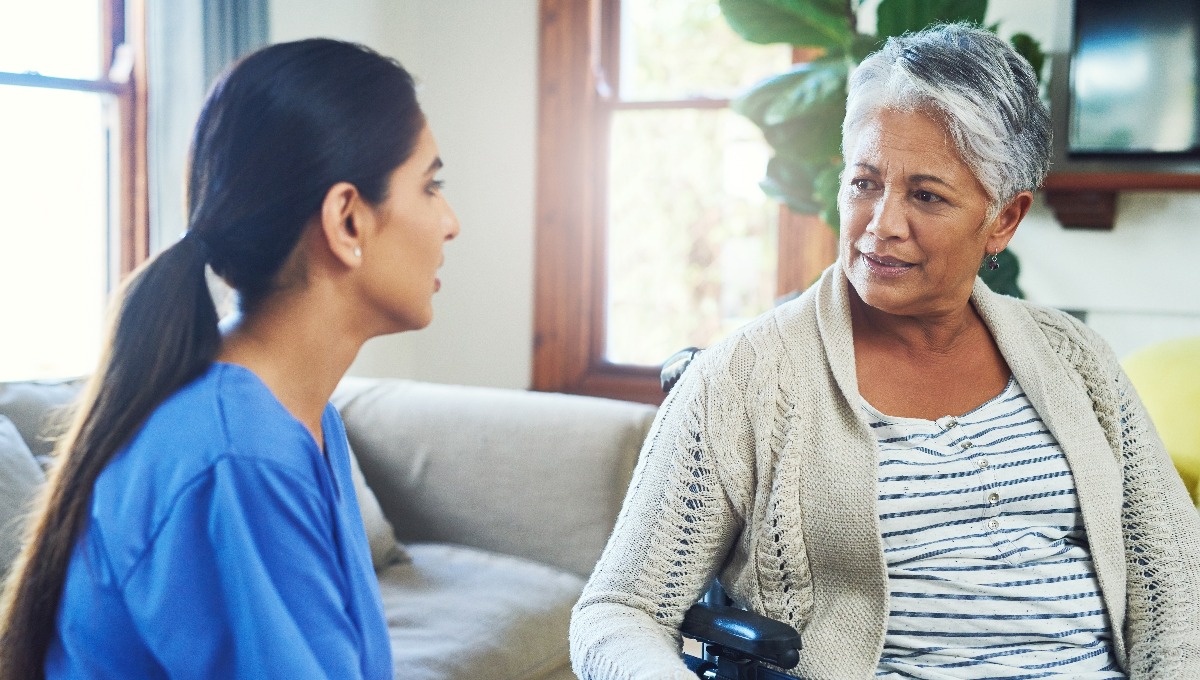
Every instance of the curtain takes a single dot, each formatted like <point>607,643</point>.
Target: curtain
<point>189,43</point>
<point>232,28</point>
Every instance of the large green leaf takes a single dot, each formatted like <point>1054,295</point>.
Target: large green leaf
<point>795,93</point>
<point>800,112</point>
<point>823,86</point>
<point>897,17</point>
<point>825,194</point>
<point>790,181</point>
<point>815,139</point>
<point>807,23</point>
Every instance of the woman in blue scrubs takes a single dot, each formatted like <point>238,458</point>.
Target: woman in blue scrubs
<point>200,521</point>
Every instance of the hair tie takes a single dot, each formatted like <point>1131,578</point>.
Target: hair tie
<point>197,241</point>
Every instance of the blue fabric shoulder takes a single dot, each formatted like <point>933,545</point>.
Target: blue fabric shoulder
<point>225,413</point>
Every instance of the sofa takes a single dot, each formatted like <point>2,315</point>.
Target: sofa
<point>485,509</point>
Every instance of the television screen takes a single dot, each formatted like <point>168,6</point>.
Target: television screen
<point>1134,78</point>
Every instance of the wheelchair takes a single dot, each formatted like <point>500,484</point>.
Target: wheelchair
<point>736,642</point>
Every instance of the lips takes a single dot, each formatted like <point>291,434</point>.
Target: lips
<point>886,264</point>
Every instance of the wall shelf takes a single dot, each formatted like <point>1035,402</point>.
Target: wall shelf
<point>1088,200</point>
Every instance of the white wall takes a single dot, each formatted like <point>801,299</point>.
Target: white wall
<point>477,60</point>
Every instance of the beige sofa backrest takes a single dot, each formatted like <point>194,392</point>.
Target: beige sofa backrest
<point>532,474</point>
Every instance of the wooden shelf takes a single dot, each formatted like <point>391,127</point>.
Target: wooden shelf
<point>1123,181</point>
<point>1088,200</point>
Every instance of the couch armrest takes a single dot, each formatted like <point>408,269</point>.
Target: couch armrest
<point>531,474</point>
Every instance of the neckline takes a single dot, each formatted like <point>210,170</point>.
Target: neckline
<point>260,384</point>
<point>904,420</point>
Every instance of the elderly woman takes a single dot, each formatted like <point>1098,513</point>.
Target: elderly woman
<point>924,478</point>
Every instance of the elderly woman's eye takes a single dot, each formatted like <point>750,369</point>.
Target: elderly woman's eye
<point>862,184</point>
<point>927,197</point>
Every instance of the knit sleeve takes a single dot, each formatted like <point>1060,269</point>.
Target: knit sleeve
<point>674,529</point>
<point>1162,549</point>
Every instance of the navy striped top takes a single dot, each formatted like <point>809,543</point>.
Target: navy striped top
<point>989,570</point>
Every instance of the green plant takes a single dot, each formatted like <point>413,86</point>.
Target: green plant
<point>800,112</point>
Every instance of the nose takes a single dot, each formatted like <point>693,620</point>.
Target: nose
<point>889,220</point>
<point>450,222</point>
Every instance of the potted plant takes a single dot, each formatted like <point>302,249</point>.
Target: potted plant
<point>800,111</point>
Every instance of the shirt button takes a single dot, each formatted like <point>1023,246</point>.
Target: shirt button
<point>993,498</point>
<point>994,524</point>
<point>982,463</point>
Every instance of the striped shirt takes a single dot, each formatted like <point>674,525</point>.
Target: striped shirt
<point>989,570</point>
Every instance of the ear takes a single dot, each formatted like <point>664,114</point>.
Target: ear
<point>1006,223</point>
<point>341,216</point>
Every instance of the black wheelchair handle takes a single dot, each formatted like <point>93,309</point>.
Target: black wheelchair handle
<point>744,633</point>
<point>674,366</point>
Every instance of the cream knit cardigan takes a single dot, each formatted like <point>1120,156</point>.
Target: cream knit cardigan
<point>760,465</point>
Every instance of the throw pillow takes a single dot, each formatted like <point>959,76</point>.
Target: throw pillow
<point>39,409</point>
<point>385,549</point>
<point>20,477</point>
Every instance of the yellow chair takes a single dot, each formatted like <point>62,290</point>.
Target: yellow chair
<point>1167,377</point>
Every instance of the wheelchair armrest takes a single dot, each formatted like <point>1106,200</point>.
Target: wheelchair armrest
<point>674,366</point>
<point>743,633</point>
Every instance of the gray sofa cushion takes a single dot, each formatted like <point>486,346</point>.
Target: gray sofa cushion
<point>486,467</point>
<point>20,477</point>
<point>456,612</point>
<point>385,549</point>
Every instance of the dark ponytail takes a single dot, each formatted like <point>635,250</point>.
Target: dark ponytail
<point>278,130</point>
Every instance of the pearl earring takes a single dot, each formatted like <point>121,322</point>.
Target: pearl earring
<point>357,251</point>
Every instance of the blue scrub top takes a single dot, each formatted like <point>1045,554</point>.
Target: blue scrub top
<point>222,544</point>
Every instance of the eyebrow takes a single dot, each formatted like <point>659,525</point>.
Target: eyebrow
<point>436,165</point>
<point>912,178</point>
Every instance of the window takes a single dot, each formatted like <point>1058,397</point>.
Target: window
<point>72,181</point>
<point>652,232</point>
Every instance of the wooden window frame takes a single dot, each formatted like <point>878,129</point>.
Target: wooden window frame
<point>123,22</point>
<point>574,105</point>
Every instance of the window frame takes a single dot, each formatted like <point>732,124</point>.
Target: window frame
<point>122,23</point>
<point>575,104</point>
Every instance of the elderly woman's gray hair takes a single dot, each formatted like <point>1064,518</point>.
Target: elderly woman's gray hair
<point>984,92</point>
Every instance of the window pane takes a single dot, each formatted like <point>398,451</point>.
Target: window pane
<point>681,49</point>
<point>53,231</point>
<point>52,37</point>
<point>691,249</point>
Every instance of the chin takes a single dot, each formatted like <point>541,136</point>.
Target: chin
<point>891,298</point>
<point>423,320</point>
